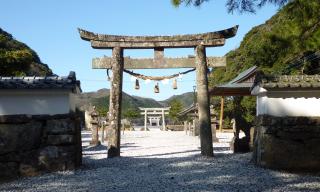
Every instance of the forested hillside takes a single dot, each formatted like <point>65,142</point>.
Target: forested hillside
<point>279,46</point>
<point>17,59</point>
<point>100,99</point>
<point>186,99</point>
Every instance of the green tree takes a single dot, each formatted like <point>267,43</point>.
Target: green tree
<point>17,59</point>
<point>131,113</point>
<point>234,5</point>
<point>175,107</point>
<point>103,111</point>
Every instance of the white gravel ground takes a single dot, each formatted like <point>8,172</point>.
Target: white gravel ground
<point>165,161</point>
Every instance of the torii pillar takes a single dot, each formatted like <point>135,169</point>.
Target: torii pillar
<point>203,101</point>
<point>115,103</point>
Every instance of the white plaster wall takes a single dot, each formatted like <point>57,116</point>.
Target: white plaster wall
<point>36,102</point>
<point>72,101</point>
<point>288,103</point>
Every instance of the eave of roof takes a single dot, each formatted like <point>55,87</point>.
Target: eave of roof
<point>235,86</point>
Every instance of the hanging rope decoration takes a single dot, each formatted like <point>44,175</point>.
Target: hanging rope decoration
<point>137,86</point>
<point>156,88</point>
<point>174,85</point>
<point>153,78</point>
<point>108,76</point>
<point>156,78</point>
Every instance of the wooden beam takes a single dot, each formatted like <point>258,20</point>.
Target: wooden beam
<point>223,34</point>
<point>203,102</point>
<point>154,109</point>
<point>148,63</point>
<point>160,44</point>
<point>154,113</point>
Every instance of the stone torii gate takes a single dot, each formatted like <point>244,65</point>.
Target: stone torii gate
<point>117,63</point>
<point>155,111</point>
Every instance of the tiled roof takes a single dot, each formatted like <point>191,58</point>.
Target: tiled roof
<point>290,82</point>
<point>237,86</point>
<point>192,107</point>
<point>244,75</point>
<point>47,82</point>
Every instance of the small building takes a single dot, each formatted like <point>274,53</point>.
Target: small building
<point>191,113</point>
<point>287,134</point>
<point>39,127</point>
<point>38,95</point>
<point>239,86</point>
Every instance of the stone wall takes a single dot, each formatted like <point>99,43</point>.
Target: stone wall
<point>31,145</point>
<point>289,143</point>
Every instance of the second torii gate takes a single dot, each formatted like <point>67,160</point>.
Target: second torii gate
<point>155,111</point>
<point>117,63</point>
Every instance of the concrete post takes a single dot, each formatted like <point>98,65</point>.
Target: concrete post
<point>163,121</point>
<point>145,120</point>
<point>185,126</point>
<point>102,133</point>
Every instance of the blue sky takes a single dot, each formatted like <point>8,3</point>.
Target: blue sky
<point>50,28</point>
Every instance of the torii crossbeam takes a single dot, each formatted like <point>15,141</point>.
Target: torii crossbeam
<point>163,63</point>
<point>117,63</point>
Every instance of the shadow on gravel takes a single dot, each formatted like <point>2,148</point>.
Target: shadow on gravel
<point>128,145</point>
<point>94,148</point>
<point>221,149</point>
<point>164,154</point>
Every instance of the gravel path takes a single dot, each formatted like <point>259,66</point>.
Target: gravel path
<point>165,161</point>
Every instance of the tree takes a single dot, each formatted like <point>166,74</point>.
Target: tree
<point>17,59</point>
<point>175,108</point>
<point>234,5</point>
<point>131,113</point>
<point>103,111</point>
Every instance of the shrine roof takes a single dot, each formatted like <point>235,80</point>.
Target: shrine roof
<point>187,110</point>
<point>42,82</point>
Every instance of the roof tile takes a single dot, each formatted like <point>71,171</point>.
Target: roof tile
<point>289,81</point>
<point>37,82</point>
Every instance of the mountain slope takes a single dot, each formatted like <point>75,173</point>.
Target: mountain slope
<point>17,59</point>
<point>101,100</point>
<point>186,99</point>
